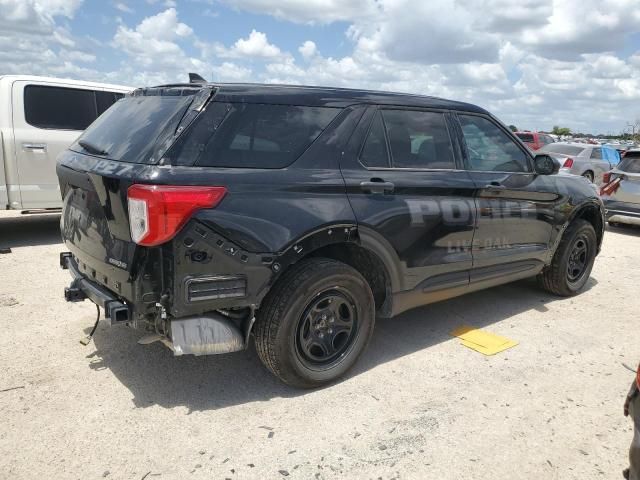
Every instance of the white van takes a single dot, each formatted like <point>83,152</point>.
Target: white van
<point>39,118</point>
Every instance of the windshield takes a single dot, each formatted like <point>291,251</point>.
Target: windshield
<point>525,137</point>
<point>562,149</point>
<point>134,127</point>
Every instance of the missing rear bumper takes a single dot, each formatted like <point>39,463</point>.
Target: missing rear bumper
<point>82,288</point>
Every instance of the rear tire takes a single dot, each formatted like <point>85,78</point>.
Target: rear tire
<point>315,322</point>
<point>573,260</point>
<point>588,175</point>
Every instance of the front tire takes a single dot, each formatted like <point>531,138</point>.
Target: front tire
<point>315,322</point>
<point>573,261</point>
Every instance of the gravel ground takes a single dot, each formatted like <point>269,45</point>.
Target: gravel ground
<point>417,405</point>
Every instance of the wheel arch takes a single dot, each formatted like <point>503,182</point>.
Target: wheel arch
<point>592,212</point>
<point>361,248</point>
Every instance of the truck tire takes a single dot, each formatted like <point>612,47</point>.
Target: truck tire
<point>315,322</point>
<point>573,260</point>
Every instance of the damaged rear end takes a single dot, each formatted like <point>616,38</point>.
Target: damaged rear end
<point>128,225</point>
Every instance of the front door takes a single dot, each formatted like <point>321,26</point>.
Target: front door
<point>407,188</point>
<point>515,205</point>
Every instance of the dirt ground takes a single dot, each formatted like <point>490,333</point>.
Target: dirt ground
<point>418,404</point>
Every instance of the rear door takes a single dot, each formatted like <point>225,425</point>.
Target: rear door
<point>408,190</point>
<point>599,164</point>
<point>47,118</point>
<point>515,205</point>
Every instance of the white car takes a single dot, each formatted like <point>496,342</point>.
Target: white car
<point>39,118</point>
<point>580,159</point>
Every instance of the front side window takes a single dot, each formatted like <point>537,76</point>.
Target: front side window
<point>596,154</point>
<point>418,139</point>
<point>489,149</point>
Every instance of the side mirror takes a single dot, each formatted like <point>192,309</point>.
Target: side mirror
<point>545,165</point>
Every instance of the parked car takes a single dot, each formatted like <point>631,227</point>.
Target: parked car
<point>621,192</point>
<point>39,118</point>
<point>195,211</point>
<point>632,153</point>
<point>579,159</point>
<point>535,140</point>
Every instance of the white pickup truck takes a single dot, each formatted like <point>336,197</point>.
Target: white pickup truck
<point>39,118</point>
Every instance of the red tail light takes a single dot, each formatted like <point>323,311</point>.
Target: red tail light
<point>568,163</point>
<point>606,178</point>
<point>610,187</point>
<point>158,212</point>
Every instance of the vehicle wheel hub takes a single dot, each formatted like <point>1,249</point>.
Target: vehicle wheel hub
<point>327,328</point>
<point>578,259</point>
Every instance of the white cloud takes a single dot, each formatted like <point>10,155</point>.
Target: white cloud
<point>308,49</point>
<point>308,11</point>
<point>534,63</point>
<point>256,45</point>
<point>123,7</point>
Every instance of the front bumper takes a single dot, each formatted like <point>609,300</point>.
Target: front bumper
<point>81,288</point>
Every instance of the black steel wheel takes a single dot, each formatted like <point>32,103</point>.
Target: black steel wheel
<point>315,322</point>
<point>327,328</point>
<point>578,258</point>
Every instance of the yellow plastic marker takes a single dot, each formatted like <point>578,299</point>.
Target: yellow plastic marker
<point>483,342</point>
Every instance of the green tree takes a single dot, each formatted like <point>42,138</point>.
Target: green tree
<point>561,130</point>
<point>513,128</point>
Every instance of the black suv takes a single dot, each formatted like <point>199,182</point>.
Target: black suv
<point>204,213</point>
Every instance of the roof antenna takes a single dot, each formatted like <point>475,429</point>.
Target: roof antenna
<point>195,78</point>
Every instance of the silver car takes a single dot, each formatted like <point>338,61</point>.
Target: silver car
<point>621,193</point>
<point>579,159</point>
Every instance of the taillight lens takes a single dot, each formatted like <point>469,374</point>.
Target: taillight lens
<point>568,163</point>
<point>606,177</point>
<point>610,187</point>
<point>158,212</point>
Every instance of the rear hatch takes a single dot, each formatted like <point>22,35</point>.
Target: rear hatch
<point>124,145</point>
<point>623,187</point>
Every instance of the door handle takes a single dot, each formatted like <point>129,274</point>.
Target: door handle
<point>377,186</point>
<point>495,186</point>
<point>35,147</point>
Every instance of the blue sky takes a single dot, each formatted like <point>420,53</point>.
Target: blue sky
<point>534,63</point>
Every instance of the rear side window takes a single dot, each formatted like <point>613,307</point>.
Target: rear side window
<point>525,137</point>
<point>564,149</point>
<point>252,135</point>
<point>418,139</point>
<point>630,165</point>
<point>105,99</point>
<point>374,153</point>
<point>61,108</point>
<point>489,149</point>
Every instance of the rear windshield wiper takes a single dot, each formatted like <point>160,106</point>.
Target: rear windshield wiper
<point>91,148</point>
